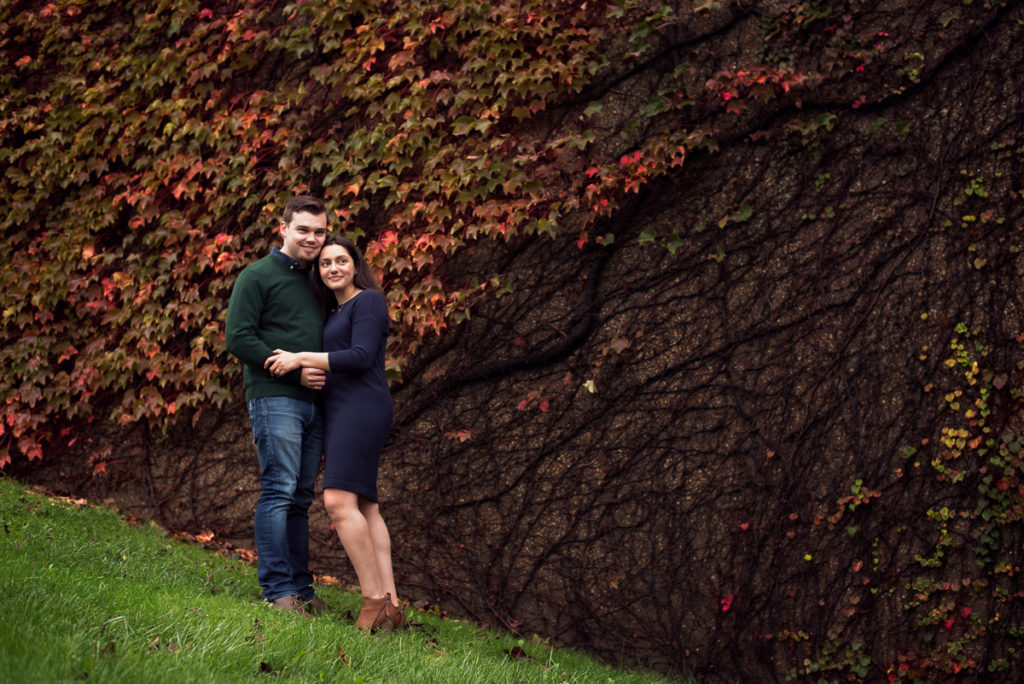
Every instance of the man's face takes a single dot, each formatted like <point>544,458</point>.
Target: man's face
<point>303,236</point>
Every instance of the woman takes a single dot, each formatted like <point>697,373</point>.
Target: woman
<point>357,417</point>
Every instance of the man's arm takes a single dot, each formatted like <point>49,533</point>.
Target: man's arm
<point>240,329</point>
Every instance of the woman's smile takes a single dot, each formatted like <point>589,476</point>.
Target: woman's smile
<point>337,270</point>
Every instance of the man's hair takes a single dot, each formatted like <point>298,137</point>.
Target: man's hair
<point>306,203</point>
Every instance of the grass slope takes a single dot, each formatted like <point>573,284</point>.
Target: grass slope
<point>86,596</point>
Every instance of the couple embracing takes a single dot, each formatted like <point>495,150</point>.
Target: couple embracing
<point>310,324</point>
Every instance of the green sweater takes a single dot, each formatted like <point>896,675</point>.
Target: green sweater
<point>272,307</point>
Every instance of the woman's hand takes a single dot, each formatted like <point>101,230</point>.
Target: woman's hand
<point>282,362</point>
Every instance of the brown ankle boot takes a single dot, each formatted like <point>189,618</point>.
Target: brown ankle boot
<point>371,613</point>
<point>395,615</point>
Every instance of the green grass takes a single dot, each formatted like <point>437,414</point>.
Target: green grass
<point>86,596</point>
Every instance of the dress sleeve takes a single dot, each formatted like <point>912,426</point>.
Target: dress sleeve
<point>369,333</point>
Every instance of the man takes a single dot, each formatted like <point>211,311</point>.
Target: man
<point>273,306</point>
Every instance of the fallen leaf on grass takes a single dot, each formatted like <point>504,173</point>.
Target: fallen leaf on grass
<point>516,653</point>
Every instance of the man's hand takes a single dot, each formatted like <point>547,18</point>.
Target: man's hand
<point>313,378</point>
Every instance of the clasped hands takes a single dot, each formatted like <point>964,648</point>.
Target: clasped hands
<point>284,362</point>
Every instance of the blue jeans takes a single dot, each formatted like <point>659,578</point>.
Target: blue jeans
<point>288,442</point>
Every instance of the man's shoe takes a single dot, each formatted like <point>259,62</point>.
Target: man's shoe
<point>290,604</point>
<point>316,606</point>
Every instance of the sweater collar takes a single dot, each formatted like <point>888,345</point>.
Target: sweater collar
<point>292,264</point>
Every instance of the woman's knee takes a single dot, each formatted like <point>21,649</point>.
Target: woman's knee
<point>340,504</point>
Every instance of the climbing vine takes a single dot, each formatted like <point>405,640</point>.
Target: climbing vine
<point>656,272</point>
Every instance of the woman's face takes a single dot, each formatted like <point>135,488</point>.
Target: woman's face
<point>337,269</point>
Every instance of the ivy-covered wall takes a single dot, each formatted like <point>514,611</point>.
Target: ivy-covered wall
<point>708,323</point>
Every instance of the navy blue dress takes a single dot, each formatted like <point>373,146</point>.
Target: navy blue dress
<point>357,400</point>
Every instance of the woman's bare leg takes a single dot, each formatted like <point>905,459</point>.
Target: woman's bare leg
<point>356,535</point>
<point>378,532</point>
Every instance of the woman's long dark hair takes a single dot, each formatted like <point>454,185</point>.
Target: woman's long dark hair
<point>363,278</point>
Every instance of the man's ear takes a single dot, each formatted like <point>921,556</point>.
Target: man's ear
<point>281,228</point>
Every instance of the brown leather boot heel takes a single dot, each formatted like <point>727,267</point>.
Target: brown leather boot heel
<point>395,616</point>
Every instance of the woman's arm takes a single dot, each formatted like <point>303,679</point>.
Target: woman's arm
<point>369,334</point>
<point>283,361</point>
